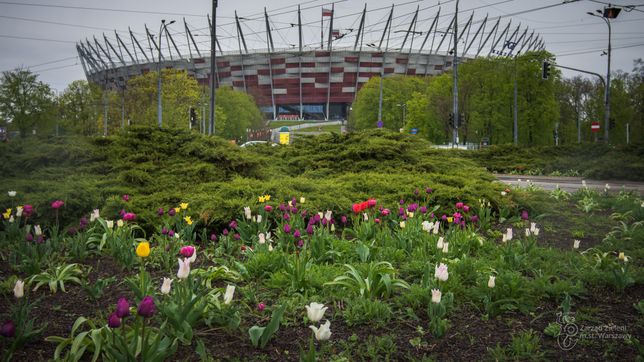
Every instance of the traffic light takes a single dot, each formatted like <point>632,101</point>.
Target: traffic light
<point>611,123</point>
<point>546,70</point>
<point>451,120</point>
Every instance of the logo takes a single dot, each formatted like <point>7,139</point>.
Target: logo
<point>567,338</point>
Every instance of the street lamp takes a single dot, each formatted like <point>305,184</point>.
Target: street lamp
<point>608,13</point>
<point>159,108</point>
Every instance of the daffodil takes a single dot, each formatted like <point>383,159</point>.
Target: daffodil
<point>143,249</point>
<point>188,220</point>
<point>183,205</point>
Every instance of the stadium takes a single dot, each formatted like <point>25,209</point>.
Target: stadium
<point>298,69</point>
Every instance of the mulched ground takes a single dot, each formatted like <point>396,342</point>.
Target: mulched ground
<point>468,338</point>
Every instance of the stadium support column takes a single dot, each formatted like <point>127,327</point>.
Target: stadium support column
<point>359,38</point>
<point>299,57</point>
<point>494,29</point>
<point>213,69</point>
<point>240,40</point>
<point>382,66</point>
<point>330,46</point>
<point>434,23</point>
<point>271,48</point>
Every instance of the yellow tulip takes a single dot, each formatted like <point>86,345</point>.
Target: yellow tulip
<point>177,209</point>
<point>261,199</point>
<point>188,220</point>
<point>143,249</point>
<point>450,219</point>
<point>184,205</point>
<point>7,215</point>
<point>267,197</point>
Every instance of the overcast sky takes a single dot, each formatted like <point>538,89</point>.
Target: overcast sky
<point>43,37</point>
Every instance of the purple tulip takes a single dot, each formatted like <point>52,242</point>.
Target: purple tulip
<point>129,216</point>
<point>171,212</point>
<point>459,205</point>
<point>261,307</point>
<point>412,207</point>
<point>296,233</point>
<point>343,219</point>
<point>40,240</point>
<point>300,243</point>
<point>475,218</point>
<point>236,236</point>
<point>309,229</point>
<point>27,210</point>
<point>233,224</point>
<point>286,217</point>
<point>126,197</point>
<point>114,321</point>
<point>303,213</point>
<point>524,215</point>
<point>444,217</point>
<point>293,202</point>
<point>29,237</point>
<point>164,231</point>
<point>225,232</point>
<point>432,215</point>
<point>56,204</point>
<point>160,211</point>
<point>385,212</point>
<point>428,190</point>
<point>416,192</point>
<point>268,208</point>
<point>8,329</point>
<point>294,210</point>
<point>282,207</point>
<point>423,209</point>
<point>122,212</point>
<point>146,307</point>
<point>466,208</point>
<point>287,228</point>
<point>171,233</point>
<point>324,222</point>
<point>122,308</point>
<point>213,237</point>
<point>401,211</point>
<point>187,251</point>
<point>401,202</point>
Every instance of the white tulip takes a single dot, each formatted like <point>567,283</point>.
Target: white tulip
<point>167,284</point>
<point>94,215</point>
<point>503,193</point>
<point>607,187</point>
<point>575,244</point>
<point>533,225</point>
<point>402,224</point>
<point>439,244</point>
<point>262,238</point>
<point>436,296</point>
<point>527,232</point>
<point>315,311</point>
<point>193,257</point>
<point>445,248</point>
<point>247,212</point>
<point>505,238</point>
<point>184,268</point>
<point>427,226</point>
<point>302,200</point>
<point>109,223</point>
<point>259,219</point>
<point>323,333</point>
<point>441,272</point>
<point>366,217</point>
<point>119,223</point>
<point>11,193</point>
<point>270,247</point>
<point>332,227</point>
<point>19,289</point>
<point>490,282</point>
<point>536,232</point>
<point>11,219</point>
<point>328,215</point>
<point>18,211</point>
<point>230,292</point>
<point>436,227</point>
<point>509,233</point>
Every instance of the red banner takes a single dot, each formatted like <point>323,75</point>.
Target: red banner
<point>327,12</point>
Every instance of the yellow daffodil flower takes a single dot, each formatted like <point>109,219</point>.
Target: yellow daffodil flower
<point>184,205</point>
<point>143,249</point>
<point>188,220</point>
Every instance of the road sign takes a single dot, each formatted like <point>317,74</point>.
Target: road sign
<point>594,126</point>
<point>414,131</point>
<point>380,124</point>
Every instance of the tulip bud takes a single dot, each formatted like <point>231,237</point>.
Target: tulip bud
<point>490,282</point>
<point>147,308</point>
<point>114,321</point>
<point>436,296</point>
<point>19,289</point>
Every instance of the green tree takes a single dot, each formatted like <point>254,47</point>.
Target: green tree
<point>25,102</point>
<point>238,113</point>
<point>79,107</point>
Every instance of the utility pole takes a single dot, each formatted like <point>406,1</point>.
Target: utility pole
<point>455,65</point>
<point>515,127</point>
<point>213,64</point>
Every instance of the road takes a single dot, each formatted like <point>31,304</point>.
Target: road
<point>570,184</point>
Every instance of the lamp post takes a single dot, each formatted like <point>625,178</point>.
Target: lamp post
<point>159,107</point>
<point>213,68</point>
<point>608,13</point>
